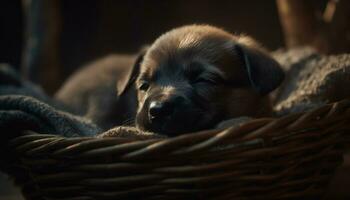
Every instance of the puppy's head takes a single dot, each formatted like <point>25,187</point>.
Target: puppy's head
<point>195,76</point>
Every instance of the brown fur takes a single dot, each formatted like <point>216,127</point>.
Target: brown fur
<point>213,76</point>
<point>174,53</point>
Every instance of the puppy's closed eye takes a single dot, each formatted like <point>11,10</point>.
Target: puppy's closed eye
<point>200,74</point>
<point>143,85</point>
<point>201,80</point>
<point>143,82</point>
<point>209,78</point>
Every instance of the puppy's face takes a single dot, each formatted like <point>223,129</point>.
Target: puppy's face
<point>193,77</point>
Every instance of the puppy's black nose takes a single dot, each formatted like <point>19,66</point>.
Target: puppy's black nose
<point>159,109</point>
<point>164,107</point>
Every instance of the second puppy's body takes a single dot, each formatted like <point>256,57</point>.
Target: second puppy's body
<point>193,77</point>
<point>91,91</point>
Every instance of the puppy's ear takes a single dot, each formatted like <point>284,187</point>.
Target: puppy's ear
<point>264,73</point>
<point>125,82</point>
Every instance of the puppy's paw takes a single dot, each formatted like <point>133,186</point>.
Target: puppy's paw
<point>130,133</point>
<point>233,122</point>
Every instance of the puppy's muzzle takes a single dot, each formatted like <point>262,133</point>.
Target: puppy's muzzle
<point>163,107</point>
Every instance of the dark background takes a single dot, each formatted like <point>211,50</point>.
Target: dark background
<point>90,29</point>
<point>122,26</point>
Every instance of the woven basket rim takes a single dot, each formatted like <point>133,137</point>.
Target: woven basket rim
<point>250,132</point>
<point>306,144</point>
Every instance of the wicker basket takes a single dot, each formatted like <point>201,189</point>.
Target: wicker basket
<point>292,157</point>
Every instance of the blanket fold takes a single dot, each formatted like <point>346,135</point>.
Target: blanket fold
<point>18,112</point>
<point>24,106</point>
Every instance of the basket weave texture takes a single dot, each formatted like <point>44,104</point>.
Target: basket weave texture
<point>292,157</point>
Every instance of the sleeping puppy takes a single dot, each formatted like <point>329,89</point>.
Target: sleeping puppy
<point>193,77</point>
